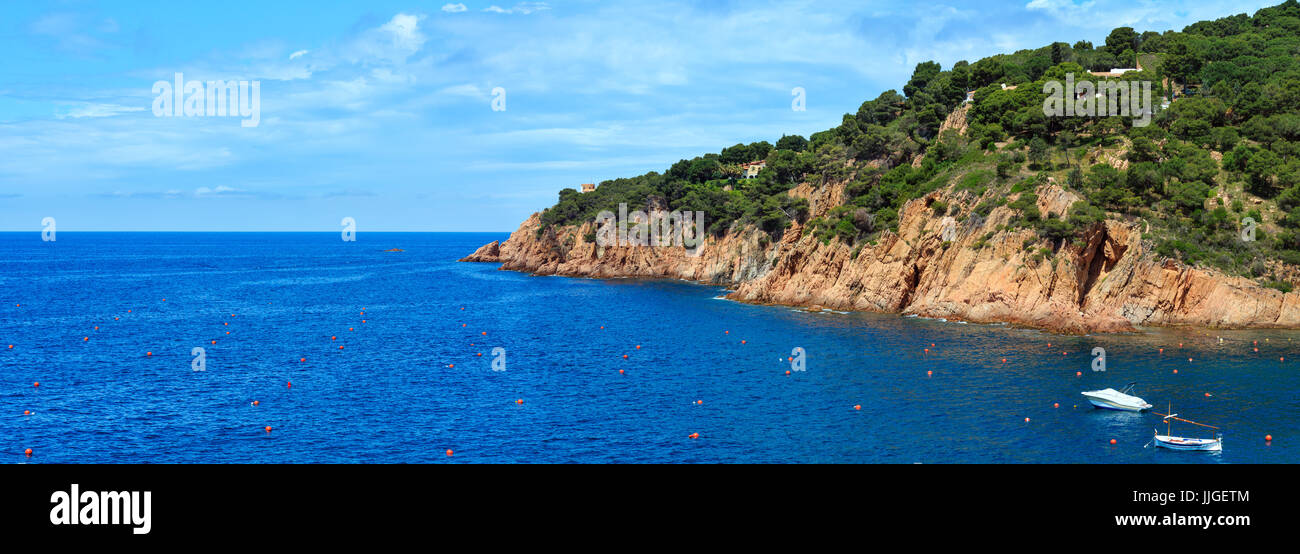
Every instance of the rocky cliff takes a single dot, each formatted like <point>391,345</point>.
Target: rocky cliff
<point>1110,281</point>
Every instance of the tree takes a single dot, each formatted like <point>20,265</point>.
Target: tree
<point>1121,39</point>
<point>793,143</point>
<point>921,77</point>
<point>1037,151</point>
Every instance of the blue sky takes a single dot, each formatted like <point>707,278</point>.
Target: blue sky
<point>382,110</point>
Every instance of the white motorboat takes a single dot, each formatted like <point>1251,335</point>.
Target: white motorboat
<point>1112,399</point>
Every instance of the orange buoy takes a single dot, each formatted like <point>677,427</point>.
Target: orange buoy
<point>620,372</point>
<point>36,384</point>
<point>1162,351</point>
<point>96,327</point>
<point>1078,374</point>
<point>256,402</point>
<point>929,373</point>
<point>787,372</point>
<point>480,354</point>
<point>462,325</point>
<point>28,452</point>
<point>349,328</point>
<point>1112,441</point>
<point>288,385</point>
<point>638,347</point>
<point>340,347</point>
<point>695,435</point>
<point>1049,345</point>
<point>11,347</point>
<point>1004,360</point>
<point>1189,359</point>
<point>1257,350</point>
<point>214,342</point>
<point>334,337</point>
<point>699,402</point>
<point>227,332</point>
<point>520,401</point>
<point>625,356</point>
<point>484,332</point>
<point>1268,438</point>
<point>449,452</point>
<point>363,321</point>
<point>1056,404</point>
<point>927,350</point>
<point>602,326</point>
<point>148,353</point>
<point>1026,420</point>
<point>726,332</point>
<point>302,360</point>
<point>84,339</point>
<point>742,341</point>
<point>117,319</point>
<point>268,428</point>
<point>857,406</point>
<point>27,412</point>
<point>451,365</point>
<point>1175,371</point>
<point>225,323</point>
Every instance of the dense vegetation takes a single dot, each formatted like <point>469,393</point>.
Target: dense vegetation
<point>1226,147</point>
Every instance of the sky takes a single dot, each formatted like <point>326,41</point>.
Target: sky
<point>462,116</point>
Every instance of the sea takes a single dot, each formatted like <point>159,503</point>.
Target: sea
<point>188,347</point>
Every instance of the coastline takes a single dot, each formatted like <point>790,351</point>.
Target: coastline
<point>1112,282</point>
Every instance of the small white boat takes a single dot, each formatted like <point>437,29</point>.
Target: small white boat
<point>1171,442</point>
<point>1183,443</point>
<point>1112,399</point>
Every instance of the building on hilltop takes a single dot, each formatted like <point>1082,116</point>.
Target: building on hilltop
<point>751,169</point>
<point>588,187</point>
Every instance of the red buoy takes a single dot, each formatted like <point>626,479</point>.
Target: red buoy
<point>1112,441</point>
<point>28,452</point>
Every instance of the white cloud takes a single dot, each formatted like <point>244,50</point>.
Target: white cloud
<point>524,8</point>
<point>298,54</point>
<point>220,190</point>
<point>454,8</point>
<point>391,42</point>
<point>87,109</point>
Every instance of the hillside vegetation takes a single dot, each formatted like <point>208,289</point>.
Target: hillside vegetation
<point>1226,147</point>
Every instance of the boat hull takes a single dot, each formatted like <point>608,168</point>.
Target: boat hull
<point>1182,443</point>
<point>1107,404</point>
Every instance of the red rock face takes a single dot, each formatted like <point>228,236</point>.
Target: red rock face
<point>1110,281</point>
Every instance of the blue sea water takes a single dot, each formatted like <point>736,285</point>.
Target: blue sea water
<point>409,383</point>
